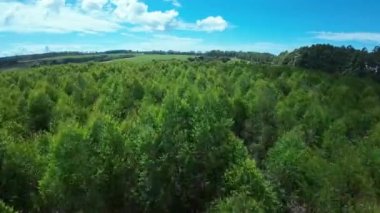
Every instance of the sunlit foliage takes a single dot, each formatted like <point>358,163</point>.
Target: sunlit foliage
<point>181,136</point>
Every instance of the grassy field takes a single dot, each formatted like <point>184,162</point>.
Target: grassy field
<point>138,58</point>
<point>85,57</point>
<point>41,60</point>
<point>61,57</point>
<point>143,58</point>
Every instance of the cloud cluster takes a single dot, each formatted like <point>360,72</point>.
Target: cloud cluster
<point>136,12</point>
<point>52,4</point>
<point>211,23</point>
<point>88,5</point>
<point>91,16</point>
<point>160,41</point>
<point>50,16</point>
<point>350,36</point>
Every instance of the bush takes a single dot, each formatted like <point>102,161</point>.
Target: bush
<point>40,109</point>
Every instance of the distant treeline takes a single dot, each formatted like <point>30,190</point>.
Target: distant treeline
<point>254,57</point>
<point>61,58</point>
<point>95,58</point>
<point>323,57</point>
<point>39,56</point>
<point>82,57</point>
<point>12,61</point>
<point>328,58</point>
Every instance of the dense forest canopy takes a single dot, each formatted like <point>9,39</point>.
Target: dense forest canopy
<point>345,60</point>
<point>189,106</point>
<point>182,136</point>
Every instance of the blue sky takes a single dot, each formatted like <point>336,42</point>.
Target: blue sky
<point>34,26</point>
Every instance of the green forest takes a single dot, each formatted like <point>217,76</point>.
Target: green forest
<point>191,136</point>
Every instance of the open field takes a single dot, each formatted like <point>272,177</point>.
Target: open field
<point>85,58</point>
<point>143,58</point>
<point>26,61</point>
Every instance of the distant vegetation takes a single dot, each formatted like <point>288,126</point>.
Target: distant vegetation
<point>145,58</point>
<point>341,60</point>
<point>338,60</point>
<point>189,136</point>
<point>253,57</point>
<point>34,60</point>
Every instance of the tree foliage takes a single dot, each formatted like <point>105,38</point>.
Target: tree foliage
<point>333,59</point>
<point>181,136</point>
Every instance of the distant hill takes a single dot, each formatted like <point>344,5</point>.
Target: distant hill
<point>60,58</point>
<point>322,57</point>
<point>334,59</point>
<point>52,58</point>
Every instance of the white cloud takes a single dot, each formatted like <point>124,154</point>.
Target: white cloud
<point>19,17</point>
<point>135,12</point>
<point>344,36</point>
<point>175,3</point>
<point>177,43</point>
<point>155,21</point>
<point>209,24</point>
<point>90,16</point>
<point>89,5</point>
<point>153,42</point>
<point>129,9</point>
<point>52,4</point>
<point>212,23</point>
<point>30,48</point>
